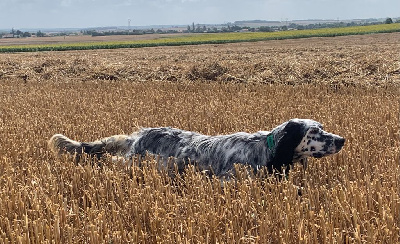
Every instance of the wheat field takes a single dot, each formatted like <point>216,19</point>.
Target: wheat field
<point>350,84</point>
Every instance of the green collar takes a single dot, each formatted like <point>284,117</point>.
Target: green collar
<point>271,142</point>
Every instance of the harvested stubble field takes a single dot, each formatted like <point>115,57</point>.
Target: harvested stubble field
<point>350,84</point>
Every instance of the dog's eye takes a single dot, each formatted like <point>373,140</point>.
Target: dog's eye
<point>314,130</point>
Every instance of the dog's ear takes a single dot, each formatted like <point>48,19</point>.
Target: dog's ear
<point>293,133</point>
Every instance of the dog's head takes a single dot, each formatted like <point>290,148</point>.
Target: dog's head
<point>302,138</point>
<point>316,142</point>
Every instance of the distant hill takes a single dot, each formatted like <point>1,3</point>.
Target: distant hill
<point>258,23</point>
<point>240,23</point>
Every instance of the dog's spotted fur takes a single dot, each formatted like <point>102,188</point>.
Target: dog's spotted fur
<point>290,142</point>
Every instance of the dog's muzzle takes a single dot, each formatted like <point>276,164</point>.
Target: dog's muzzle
<point>339,143</point>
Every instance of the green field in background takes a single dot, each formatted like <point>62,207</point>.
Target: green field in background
<point>214,38</point>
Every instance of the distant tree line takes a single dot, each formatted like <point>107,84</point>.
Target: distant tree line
<point>337,24</point>
<point>196,28</point>
<point>126,32</point>
<point>18,34</point>
<point>292,26</point>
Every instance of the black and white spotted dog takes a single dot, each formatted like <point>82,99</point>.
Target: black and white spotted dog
<point>290,142</point>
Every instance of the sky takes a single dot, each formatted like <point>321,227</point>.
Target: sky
<point>23,14</point>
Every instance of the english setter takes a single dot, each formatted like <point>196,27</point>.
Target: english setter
<point>290,142</point>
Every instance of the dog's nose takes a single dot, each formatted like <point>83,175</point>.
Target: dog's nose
<point>339,143</point>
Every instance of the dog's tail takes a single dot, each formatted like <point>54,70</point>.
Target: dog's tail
<point>117,145</point>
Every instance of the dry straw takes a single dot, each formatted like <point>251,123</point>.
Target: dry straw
<point>349,84</point>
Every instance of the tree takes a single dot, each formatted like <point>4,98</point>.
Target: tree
<point>265,29</point>
<point>198,29</point>
<point>301,27</point>
<point>26,34</point>
<point>389,21</point>
<point>39,34</point>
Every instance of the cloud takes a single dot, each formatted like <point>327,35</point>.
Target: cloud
<point>66,3</point>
